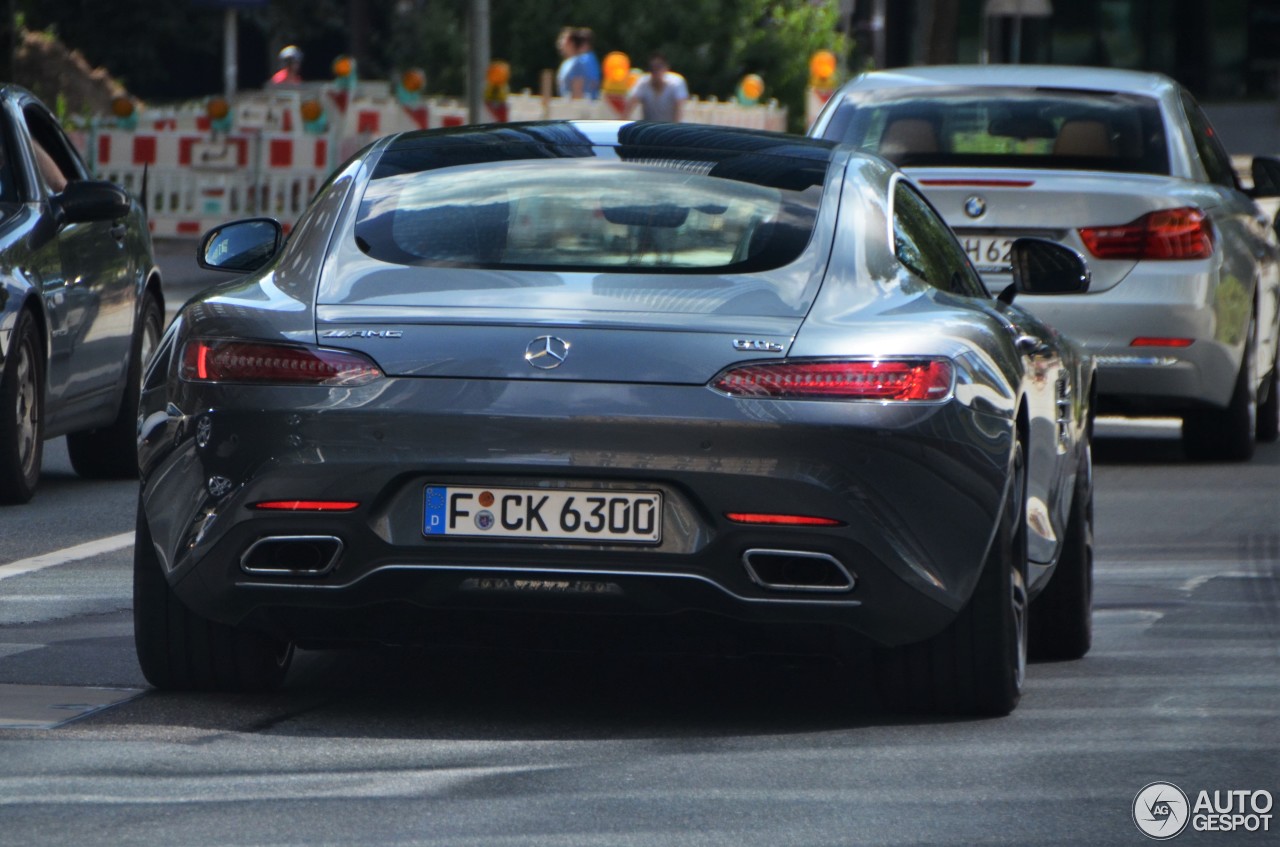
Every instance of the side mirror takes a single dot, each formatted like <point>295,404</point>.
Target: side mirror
<point>1045,267</point>
<point>1266,177</point>
<point>241,246</point>
<point>92,200</point>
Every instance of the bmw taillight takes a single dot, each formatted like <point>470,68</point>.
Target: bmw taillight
<point>862,379</point>
<point>1167,234</point>
<point>218,360</point>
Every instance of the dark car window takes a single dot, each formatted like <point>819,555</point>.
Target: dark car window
<point>8,187</point>
<point>590,208</point>
<point>56,160</point>
<point>642,217</point>
<point>1005,127</point>
<point>925,244</point>
<point>1217,164</point>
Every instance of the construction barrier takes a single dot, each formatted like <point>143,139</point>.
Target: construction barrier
<point>265,158</point>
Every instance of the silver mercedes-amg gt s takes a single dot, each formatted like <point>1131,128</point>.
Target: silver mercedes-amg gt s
<point>616,372</point>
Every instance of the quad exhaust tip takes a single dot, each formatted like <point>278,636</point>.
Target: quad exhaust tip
<point>797,570</point>
<point>292,555</point>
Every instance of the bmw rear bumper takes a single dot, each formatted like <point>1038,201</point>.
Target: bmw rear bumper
<point>1154,302</point>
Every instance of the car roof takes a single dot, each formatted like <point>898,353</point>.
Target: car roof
<point>1022,76</point>
<point>606,133</point>
<point>768,158</point>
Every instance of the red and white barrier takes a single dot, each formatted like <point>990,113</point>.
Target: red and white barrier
<point>271,164</point>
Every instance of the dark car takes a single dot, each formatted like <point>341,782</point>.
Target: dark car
<point>80,304</point>
<point>618,371</point>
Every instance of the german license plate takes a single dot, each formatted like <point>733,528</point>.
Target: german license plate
<point>540,513</point>
<point>989,252</point>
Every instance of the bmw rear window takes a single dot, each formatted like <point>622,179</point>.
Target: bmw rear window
<point>1063,129</point>
<point>531,202</point>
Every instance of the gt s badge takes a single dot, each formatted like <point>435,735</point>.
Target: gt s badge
<point>757,346</point>
<point>361,333</point>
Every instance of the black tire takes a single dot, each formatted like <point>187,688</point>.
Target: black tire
<point>976,666</point>
<point>1061,620</point>
<point>112,451</point>
<point>22,413</point>
<point>180,650</point>
<point>1269,408</point>
<point>1227,435</point>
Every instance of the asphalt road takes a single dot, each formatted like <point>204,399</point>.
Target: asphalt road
<point>595,748</point>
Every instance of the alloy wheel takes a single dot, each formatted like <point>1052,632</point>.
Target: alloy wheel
<point>27,408</point>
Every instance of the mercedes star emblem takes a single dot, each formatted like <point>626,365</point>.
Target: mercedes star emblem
<point>975,206</point>
<point>546,352</point>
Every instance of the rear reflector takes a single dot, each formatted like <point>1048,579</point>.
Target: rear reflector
<point>1166,234</point>
<point>915,379</point>
<point>1146,341</point>
<point>307,505</point>
<point>760,519</point>
<point>215,360</point>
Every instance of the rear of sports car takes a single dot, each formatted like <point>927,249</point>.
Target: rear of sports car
<point>563,377</point>
<point>1174,260</point>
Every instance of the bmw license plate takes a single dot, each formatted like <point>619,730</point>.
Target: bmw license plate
<point>540,513</point>
<point>989,252</point>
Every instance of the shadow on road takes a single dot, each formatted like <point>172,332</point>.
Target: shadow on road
<point>488,694</point>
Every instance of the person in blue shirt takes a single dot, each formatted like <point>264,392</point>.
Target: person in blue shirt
<point>579,74</point>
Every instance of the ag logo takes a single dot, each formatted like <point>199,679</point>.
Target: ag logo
<point>1161,811</point>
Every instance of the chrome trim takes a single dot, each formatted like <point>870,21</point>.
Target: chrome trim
<point>1135,361</point>
<point>800,554</point>
<point>277,539</point>
<point>566,571</point>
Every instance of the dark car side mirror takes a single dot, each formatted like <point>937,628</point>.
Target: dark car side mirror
<point>241,246</point>
<point>1266,177</point>
<point>1041,266</point>
<point>91,200</point>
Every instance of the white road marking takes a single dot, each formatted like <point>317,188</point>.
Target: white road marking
<point>67,554</point>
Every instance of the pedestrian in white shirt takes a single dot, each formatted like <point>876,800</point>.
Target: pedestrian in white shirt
<point>661,92</point>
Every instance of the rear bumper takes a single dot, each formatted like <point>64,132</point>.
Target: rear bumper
<point>917,490</point>
<point>1157,301</point>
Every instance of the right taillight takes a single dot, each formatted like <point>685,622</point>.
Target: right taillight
<point>1183,233</point>
<point>856,379</point>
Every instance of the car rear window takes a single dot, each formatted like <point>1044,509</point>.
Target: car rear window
<point>1006,127</point>
<point>583,207</point>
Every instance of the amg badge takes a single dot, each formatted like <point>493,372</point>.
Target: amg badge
<point>361,333</point>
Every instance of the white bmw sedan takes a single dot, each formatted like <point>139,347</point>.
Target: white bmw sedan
<point>1183,311</point>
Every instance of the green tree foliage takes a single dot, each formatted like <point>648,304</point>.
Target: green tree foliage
<point>155,49</point>
<point>712,43</point>
<point>174,49</point>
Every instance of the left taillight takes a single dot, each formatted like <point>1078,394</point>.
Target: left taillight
<point>220,360</point>
<point>862,379</point>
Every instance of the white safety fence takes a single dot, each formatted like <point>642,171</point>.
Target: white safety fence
<point>270,162</point>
